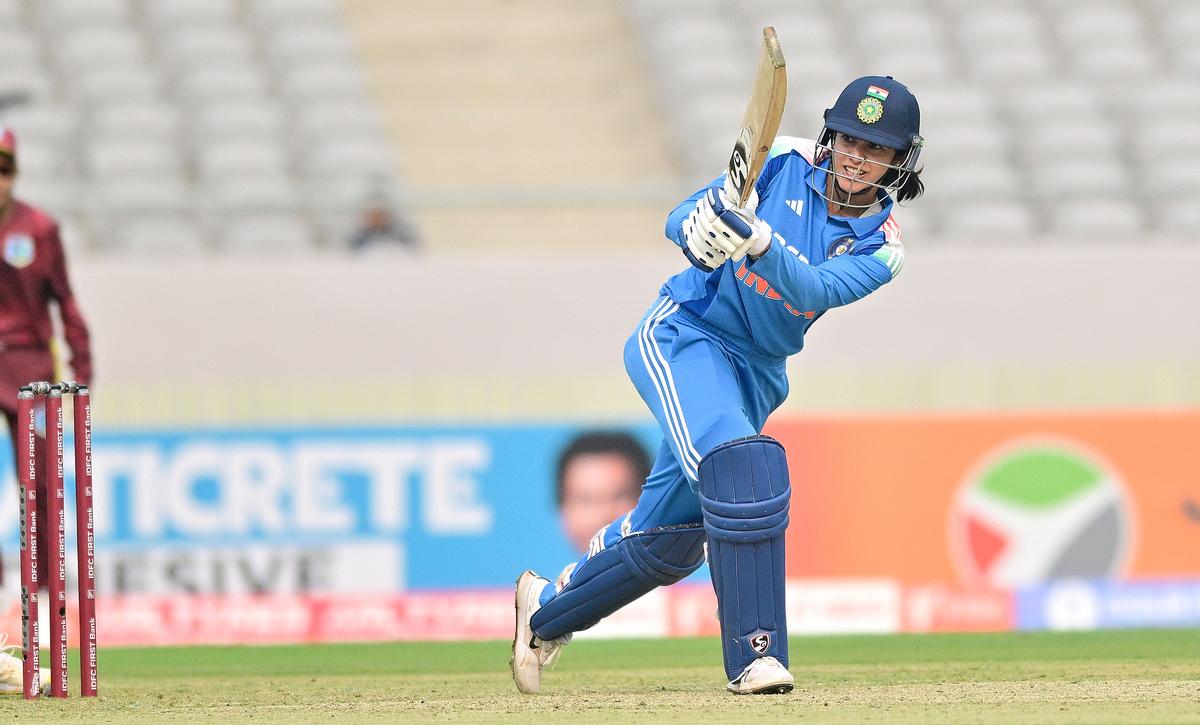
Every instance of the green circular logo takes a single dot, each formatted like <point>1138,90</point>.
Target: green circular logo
<point>870,110</point>
<point>1039,510</point>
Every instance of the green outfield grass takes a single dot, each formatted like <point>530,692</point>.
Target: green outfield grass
<point>1109,677</point>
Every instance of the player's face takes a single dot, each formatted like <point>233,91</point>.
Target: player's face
<point>8,174</point>
<point>597,488</point>
<point>860,160</point>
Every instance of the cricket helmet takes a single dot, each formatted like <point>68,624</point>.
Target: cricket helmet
<point>882,110</point>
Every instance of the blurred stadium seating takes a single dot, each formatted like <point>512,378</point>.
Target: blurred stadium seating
<point>1042,118</point>
<point>213,115</point>
<point>183,126</point>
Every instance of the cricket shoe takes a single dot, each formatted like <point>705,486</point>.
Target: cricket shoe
<point>530,654</point>
<point>763,676</point>
<point>12,669</point>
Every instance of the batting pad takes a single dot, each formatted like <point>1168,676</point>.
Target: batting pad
<point>616,576</point>
<point>744,493</point>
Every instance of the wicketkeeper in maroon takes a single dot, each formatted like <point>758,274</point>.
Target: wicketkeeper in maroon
<point>33,276</point>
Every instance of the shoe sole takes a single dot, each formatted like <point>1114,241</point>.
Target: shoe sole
<point>782,688</point>
<point>512,661</point>
<point>774,690</point>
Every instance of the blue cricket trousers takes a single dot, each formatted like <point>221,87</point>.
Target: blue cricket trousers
<point>704,391</point>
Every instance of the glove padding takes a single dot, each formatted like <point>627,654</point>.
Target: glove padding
<point>717,231</point>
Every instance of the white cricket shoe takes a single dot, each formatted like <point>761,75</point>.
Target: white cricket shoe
<point>12,669</point>
<point>530,654</point>
<point>763,676</point>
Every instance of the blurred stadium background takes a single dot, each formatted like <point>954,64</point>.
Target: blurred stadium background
<point>304,441</point>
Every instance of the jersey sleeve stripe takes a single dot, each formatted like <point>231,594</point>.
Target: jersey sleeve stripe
<point>787,144</point>
<point>891,229</point>
<point>892,256</point>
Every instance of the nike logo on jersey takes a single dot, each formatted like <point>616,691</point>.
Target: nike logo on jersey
<point>796,205</point>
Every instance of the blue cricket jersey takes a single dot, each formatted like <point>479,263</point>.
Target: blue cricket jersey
<point>815,261</point>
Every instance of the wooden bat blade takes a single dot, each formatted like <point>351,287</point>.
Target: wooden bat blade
<point>761,120</point>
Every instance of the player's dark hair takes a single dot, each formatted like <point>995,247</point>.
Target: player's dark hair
<point>912,187</point>
<point>608,443</point>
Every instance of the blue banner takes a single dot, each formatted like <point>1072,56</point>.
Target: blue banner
<point>1107,604</point>
<point>312,509</point>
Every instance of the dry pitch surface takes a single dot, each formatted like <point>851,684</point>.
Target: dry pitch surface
<point>1095,677</point>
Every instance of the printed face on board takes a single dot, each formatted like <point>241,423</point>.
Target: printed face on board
<point>597,488</point>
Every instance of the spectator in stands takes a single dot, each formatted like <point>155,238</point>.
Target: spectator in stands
<point>381,224</point>
<point>33,276</point>
<point>600,475</point>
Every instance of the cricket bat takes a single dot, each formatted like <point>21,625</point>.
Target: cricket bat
<point>761,122</point>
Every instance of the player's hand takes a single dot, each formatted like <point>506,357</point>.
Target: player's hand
<point>736,231</point>
<point>761,239</point>
<point>703,248</point>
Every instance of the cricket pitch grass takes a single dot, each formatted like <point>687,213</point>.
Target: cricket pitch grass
<point>1147,676</point>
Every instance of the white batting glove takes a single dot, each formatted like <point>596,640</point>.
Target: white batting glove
<point>760,240</point>
<point>757,243</point>
<point>703,248</point>
<point>736,231</point>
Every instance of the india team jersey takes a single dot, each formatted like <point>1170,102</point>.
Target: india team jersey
<point>815,262</point>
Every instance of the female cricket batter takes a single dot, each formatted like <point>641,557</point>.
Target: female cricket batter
<point>708,359</point>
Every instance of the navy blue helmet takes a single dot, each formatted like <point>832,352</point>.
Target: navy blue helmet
<point>882,110</point>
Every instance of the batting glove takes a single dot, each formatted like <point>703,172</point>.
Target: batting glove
<point>735,231</point>
<point>703,248</point>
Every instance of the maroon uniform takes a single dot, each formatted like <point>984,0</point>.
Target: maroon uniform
<point>33,275</point>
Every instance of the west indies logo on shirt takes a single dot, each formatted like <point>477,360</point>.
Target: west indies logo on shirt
<point>18,250</point>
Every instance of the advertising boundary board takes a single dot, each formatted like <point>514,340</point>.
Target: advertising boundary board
<point>898,523</point>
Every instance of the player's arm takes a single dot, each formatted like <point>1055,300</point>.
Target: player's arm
<point>834,283</point>
<point>75,329</point>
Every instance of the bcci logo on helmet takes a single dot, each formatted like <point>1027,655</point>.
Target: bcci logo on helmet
<point>869,110</point>
<point>1037,510</point>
